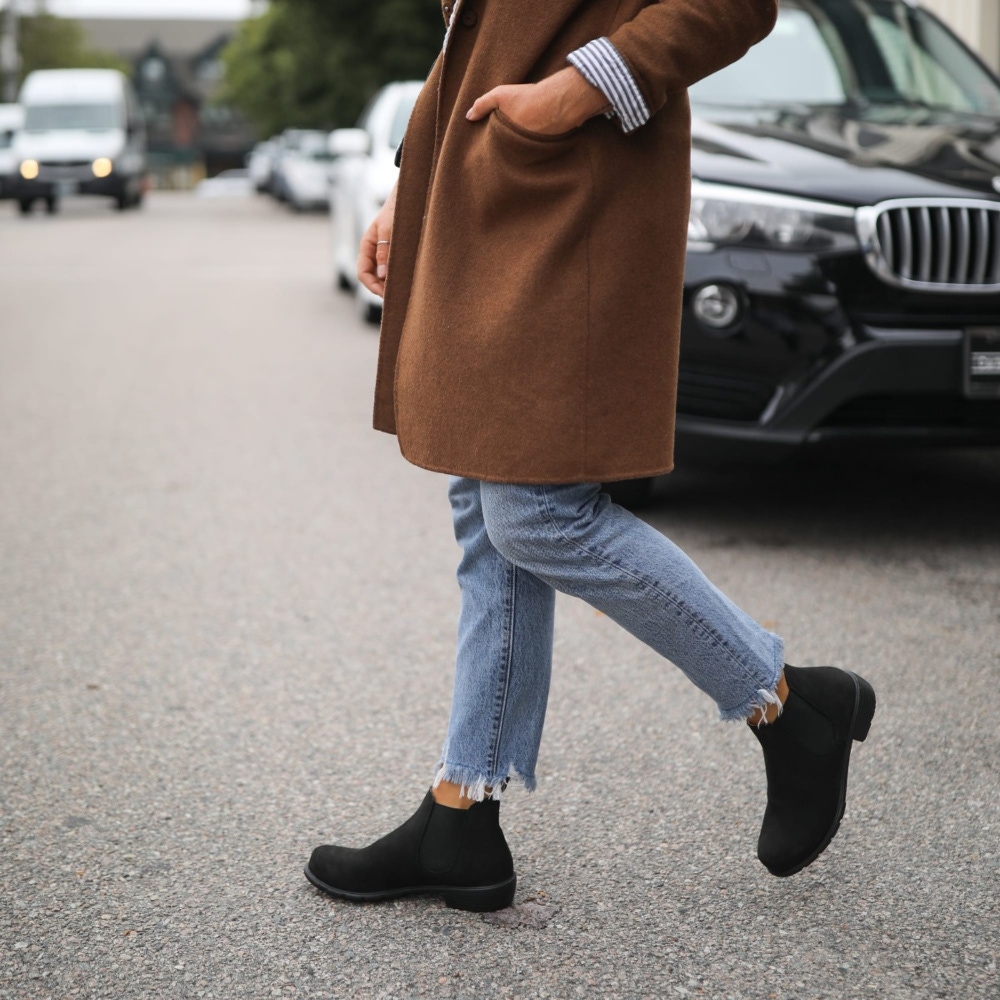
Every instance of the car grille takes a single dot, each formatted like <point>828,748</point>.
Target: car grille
<point>704,391</point>
<point>917,411</point>
<point>934,244</point>
<point>65,171</point>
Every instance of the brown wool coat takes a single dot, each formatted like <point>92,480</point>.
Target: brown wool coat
<point>532,311</point>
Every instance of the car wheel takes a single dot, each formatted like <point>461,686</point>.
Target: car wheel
<point>631,493</point>
<point>343,282</point>
<point>24,205</point>
<point>51,205</point>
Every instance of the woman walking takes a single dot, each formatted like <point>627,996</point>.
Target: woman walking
<point>531,261</point>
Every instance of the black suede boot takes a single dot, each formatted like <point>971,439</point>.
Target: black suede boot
<point>458,854</point>
<point>807,750</point>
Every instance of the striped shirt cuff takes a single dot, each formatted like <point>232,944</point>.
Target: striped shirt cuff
<point>602,67</point>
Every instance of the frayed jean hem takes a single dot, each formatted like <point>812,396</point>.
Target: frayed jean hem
<point>764,695</point>
<point>477,786</point>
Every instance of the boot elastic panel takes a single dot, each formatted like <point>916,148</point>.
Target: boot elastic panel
<point>443,838</point>
<point>805,725</point>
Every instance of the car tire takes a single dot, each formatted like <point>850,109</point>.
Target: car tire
<point>51,206</point>
<point>630,493</point>
<point>25,205</point>
<point>342,282</point>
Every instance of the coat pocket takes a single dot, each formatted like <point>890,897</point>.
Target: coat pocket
<point>523,179</point>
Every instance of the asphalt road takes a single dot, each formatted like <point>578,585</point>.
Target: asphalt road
<point>226,622</point>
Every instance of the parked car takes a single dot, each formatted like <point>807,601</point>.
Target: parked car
<point>363,174</point>
<point>11,120</point>
<point>83,134</point>
<point>843,266</point>
<point>301,176</point>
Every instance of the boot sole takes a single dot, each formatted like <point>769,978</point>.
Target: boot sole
<point>477,899</point>
<point>861,722</point>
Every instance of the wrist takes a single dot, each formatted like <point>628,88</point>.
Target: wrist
<point>576,99</point>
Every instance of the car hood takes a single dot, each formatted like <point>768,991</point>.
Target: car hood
<point>849,157</point>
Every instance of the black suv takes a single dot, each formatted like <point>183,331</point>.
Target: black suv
<point>843,268</point>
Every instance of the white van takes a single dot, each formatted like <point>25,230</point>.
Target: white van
<point>11,120</point>
<point>83,134</point>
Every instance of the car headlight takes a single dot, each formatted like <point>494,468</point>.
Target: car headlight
<point>30,170</point>
<point>725,215</point>
<point>102,167</point>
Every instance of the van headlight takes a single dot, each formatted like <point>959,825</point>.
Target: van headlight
<point>102,167</point>
<point>725,215</point>
<point>30,169</point>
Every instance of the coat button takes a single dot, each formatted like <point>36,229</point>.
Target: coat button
<point>469,18</point>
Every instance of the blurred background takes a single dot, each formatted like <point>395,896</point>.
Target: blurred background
<point>214,77</point>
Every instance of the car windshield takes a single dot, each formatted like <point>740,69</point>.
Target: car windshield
<point>94,117</point>
<point>6,138</point>
<point>835,52</point>
<point>313,146</point>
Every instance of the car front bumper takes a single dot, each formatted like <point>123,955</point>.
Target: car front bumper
<point>59,182</point>
<point>826,354</point>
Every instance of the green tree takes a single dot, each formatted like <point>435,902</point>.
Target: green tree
<point>49,42</point>
<point>314,64</point>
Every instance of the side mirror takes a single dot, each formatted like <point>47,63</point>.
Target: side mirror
<point>349,142</point>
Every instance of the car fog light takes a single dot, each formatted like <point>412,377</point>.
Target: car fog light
<point>719,307</point>
<point>102,167</point>
<point>29,169</point>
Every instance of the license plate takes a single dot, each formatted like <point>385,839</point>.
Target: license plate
<point>982,362</point>
<point>66,189</point>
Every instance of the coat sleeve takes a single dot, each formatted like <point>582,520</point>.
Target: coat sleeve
<point>672,44</point>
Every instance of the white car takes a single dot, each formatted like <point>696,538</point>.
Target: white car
<point>363,174</point>
<point>302,172</point>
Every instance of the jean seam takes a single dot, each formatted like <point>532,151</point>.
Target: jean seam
<point>509,659</point>
<point>676,602</point>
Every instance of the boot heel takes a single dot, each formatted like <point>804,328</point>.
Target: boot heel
<point>865,711</point>
<point>482,900</point>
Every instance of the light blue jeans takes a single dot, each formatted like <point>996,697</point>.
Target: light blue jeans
<point>523,543</point>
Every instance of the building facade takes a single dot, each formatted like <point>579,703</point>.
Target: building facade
<point>177,70</point>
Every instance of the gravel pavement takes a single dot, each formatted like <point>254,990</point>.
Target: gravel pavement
<point>226,622</point>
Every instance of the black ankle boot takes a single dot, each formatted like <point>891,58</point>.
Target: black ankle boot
<point>807,750</point>
<point>458,854</point>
